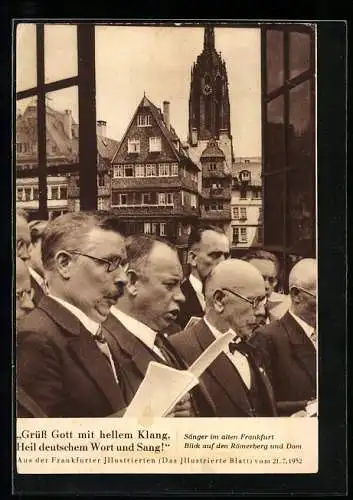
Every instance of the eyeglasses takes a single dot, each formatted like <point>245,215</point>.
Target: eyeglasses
<point>21,295</point>
<point>255,302</point>
<point>111,265</point>
<point>270,279</point>
<point>306,291</point>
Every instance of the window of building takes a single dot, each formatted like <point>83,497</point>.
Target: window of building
<point>243,235</point>
<point>35,193</point>
<point>256,194</point>
<point>155,144</point>
<point>243,214</point>
<point>77,205</point>
<point>129,171</point>
<point>146,198</point>
<point>101,180</point>
<point>19,194</point>
<point>162,198</point>
<point>180,230</point>
<point>235,212</point>
<point>139,171</point>
<point>151,170</point>
<point>182,198</point>
<point>118,171</point>
<point>260,234</point>
<point>169,198</point>
<point>164,170</point>
<point>63,193</point>
<point>244,175</point>
<point>193,201</point>
<point>147,228</point>
<point>123,199</point>
<point>143,120</point>
<point>100,203</point>
<point>246,161</point>
<point>213,166</point>
<point>162,229</point>
<point>154,227</point>
<point>216,206</point>
<point>28,194</point>
<point>133,145</point>
<point>235,235</point>
<point>174,169</point>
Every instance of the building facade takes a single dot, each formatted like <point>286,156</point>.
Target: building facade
<point>210,139</point>
<point>154,181</point>
<point>246,205</point>
<point>62,136</point>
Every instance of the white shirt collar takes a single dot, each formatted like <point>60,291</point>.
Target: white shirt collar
<point>196,284</point>
<point>37,277</point>
<point>216,333</point>
<point>309,330</point>
<point>140,330</point>
<point>90,325</point>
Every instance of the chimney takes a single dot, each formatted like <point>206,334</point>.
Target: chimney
<point>102,128</point>
<point>68,123</point>
<point>166,115</point>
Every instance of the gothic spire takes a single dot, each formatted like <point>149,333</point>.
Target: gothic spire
<point>208,39</point>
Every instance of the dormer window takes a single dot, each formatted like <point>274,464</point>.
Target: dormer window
<point>155,144</point>
<point>143,120</point>
<point>244,176</point>
<point>133,146</point>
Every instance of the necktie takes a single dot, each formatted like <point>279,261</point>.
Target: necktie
<point>243,347</point>
<point>313,337</point>
<point>168,355</point>
<point>104,348</point>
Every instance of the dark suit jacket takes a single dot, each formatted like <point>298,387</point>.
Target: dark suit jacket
<point>133,357</point>
<point>220,379</point>
<point>191,306</point>
<point>60,366</point>
<point>38,291</point>
<point>290,359</point>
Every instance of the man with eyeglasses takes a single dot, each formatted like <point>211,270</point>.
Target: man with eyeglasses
<point>24,292</point>
<point>236,381</point>
<point>289,345</point>
<point>63,360</point>
<point>267,264</point>
<point>23,237</point>
<point>207,246</point>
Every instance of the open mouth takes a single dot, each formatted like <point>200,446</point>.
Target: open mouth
<point>172,314</point>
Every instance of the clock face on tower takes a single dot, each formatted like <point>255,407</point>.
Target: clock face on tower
<point>207,89</point>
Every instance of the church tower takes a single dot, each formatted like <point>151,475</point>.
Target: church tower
<point>209,111</point>
<point>210,140</point>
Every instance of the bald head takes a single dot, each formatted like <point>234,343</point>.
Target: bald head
<point>237,275</point>
<point>303,274</point>
<point>302,286</point>
<point>235,294</point>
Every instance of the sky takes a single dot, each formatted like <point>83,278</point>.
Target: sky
<point>132,60</point>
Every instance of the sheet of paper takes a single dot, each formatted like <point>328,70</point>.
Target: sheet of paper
<point>312,408</point>
<point>164,386</point>
<point>211,353</point>
<point>160,390</point>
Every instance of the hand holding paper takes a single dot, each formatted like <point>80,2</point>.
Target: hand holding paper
<point>163,386</point>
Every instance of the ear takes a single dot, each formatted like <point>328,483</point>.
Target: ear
<point>192,255</point>
<point>218,300</point>
<point>63,261</point>
<point>132,280</point>
<point>295,295</point>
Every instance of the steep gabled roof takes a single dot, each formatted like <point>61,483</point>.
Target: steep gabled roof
<point>212,150</point>
<point>107,147</point>
<point>169,134</point>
